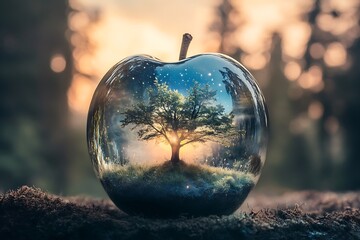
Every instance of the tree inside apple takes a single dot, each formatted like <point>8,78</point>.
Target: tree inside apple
<point>180,120</point>
<point>183,138</point>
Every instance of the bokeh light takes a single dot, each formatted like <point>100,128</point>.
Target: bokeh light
<point>312,79</point>
<point>315,110</point>
<point>335,54</point>
<point>58,63</point>
<point>317,50</point>
<point>292,70</point>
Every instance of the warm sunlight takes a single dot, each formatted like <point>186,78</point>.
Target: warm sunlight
<point>255,61</point>
<point>80,93</point>
<point>117,34</point>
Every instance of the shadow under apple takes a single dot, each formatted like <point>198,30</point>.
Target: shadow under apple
<point>173,190</point>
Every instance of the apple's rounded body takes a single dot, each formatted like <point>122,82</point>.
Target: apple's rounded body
<point>172,139</point>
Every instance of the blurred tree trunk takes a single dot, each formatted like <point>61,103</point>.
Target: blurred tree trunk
<point>349,86</point>
<point>225,27</point>
<point>33,100</point>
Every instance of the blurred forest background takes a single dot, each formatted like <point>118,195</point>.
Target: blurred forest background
<point>304,54</point>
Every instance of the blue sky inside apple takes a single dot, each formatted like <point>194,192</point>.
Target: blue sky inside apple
<point>182,77</point>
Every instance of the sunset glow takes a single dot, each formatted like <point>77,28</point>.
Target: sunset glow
<point>80,93</point>
<point>125,29</point>
<point>161,151</point>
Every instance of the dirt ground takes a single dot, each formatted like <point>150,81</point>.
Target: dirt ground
<point>29,213</point>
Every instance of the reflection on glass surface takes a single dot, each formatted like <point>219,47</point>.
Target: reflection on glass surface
<point>178,138</point>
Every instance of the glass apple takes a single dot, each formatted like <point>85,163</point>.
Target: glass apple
<point>183,138</point>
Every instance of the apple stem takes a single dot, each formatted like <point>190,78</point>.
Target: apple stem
<point>185,45</point>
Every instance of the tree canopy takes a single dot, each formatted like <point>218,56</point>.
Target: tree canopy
<point>179,120</point>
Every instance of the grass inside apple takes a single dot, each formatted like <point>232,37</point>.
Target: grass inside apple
<point>171,190</point>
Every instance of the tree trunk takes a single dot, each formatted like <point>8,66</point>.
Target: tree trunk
<point>175,153</point>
